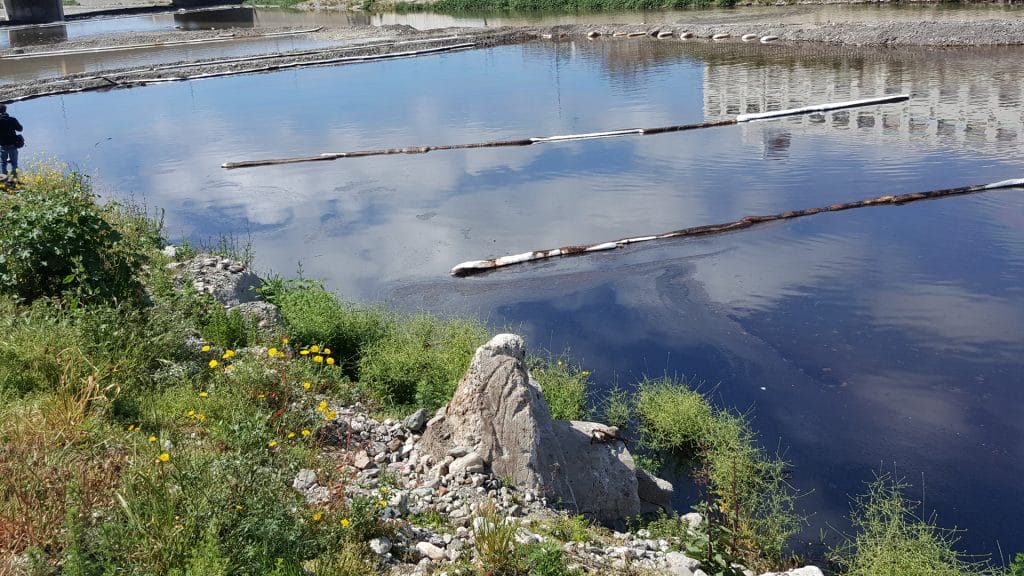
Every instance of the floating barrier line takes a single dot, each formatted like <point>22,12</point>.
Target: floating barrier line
<point>479,266</point>
<point>170,43</point>
<point>129,82</point>
<point>570,137</point>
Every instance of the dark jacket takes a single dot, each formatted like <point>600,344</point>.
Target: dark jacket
<point>8,126</point>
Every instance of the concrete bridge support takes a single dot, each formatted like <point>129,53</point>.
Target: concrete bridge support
<point>34,11</point>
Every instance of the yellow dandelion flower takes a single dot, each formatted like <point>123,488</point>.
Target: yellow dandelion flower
<point>305,432</point>
<point>585,372</point>
<point>131,427</point>
<point>317,516</point>
<point>152,439</point>
<point>330,361</point>
<point>204,394</point>
<point>201,417</point>
<point>304,352</point>
<point>190,413</point>
<point>322,406</point>
<point>272,352</point>
<point>314,348</point>
<point>206,348</point>
<point>345,522</point>
<point>306,385</point>
<point>228,354</point>
<point>318,359</point>
<point>284,340</point>
<point>291,435</point>
<point>331,415</point>
<point>213,363</point>
<point>164,457</point>
<point>261,396</point>
<point>237,507</point>
<point>382,503</point>
<point>327,350</point>
<point>272,443</point>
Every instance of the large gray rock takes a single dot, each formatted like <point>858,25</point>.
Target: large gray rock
<point>498,412</point>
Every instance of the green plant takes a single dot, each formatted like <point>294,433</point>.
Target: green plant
<point>229,328</point>
<point>316,316</point>
<point>564,386</point>
<point>55,241</point>
<point>494,537</point>
<point>567,528</point>
<point>420,360</point>
<point>431,519</point>
<point>617,407</point>
<point>1016,567</point>
<point>547,559</point>
<point>891,539</point>
<point>749,500</point>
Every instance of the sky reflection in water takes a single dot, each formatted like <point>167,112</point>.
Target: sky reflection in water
<point>880,336</point>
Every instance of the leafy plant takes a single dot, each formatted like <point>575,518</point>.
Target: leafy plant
<point>56,242</point>
<point>420,360</point>
<point>892,540</point>
<point>749,499</point>
<point>564,386</point>
<point>315,315</point>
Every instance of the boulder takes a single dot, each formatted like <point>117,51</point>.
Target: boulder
<point>498,414</point>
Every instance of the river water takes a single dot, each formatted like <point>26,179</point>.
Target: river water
<point>864,340</point>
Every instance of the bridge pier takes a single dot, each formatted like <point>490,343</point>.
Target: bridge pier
<point>34,11</point>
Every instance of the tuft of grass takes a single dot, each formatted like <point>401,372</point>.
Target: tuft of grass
<point>892,540</point>
<point>420,361</point>
<point>617,408</point>
<point>750,504</point>
<point>316,316</point>
<point>494,539</point>
<point>567,528</point>
<point>565,386</point>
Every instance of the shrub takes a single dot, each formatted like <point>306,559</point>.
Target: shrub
<point>564,387</point>
<point>751,506</point>
<point>891,540</point>
<point>420,361</point>
<point>547,559</point>
<point>316,316</point>
<point>617,408</point>
<point>55,241</point>
<point>229,328</point>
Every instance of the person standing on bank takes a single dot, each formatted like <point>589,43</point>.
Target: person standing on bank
<point>10,141</point>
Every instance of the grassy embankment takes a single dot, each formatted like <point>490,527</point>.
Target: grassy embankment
<point>146,431</point>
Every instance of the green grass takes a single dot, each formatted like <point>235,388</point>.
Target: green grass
<point>750,504</point>
<point>419,361</point>
<point>891,539</point>
<point>565,386</point>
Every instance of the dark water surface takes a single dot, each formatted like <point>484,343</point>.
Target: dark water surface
<point>872,338</point>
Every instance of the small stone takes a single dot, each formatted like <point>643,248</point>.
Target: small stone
<point>416,421</point>
<point>430,551</point>
<point>304,480</point>
<point>361,460</point>
<point>380,546</point>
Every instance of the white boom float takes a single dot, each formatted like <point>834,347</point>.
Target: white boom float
<point>569,137</point>
<point>479,266</point>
